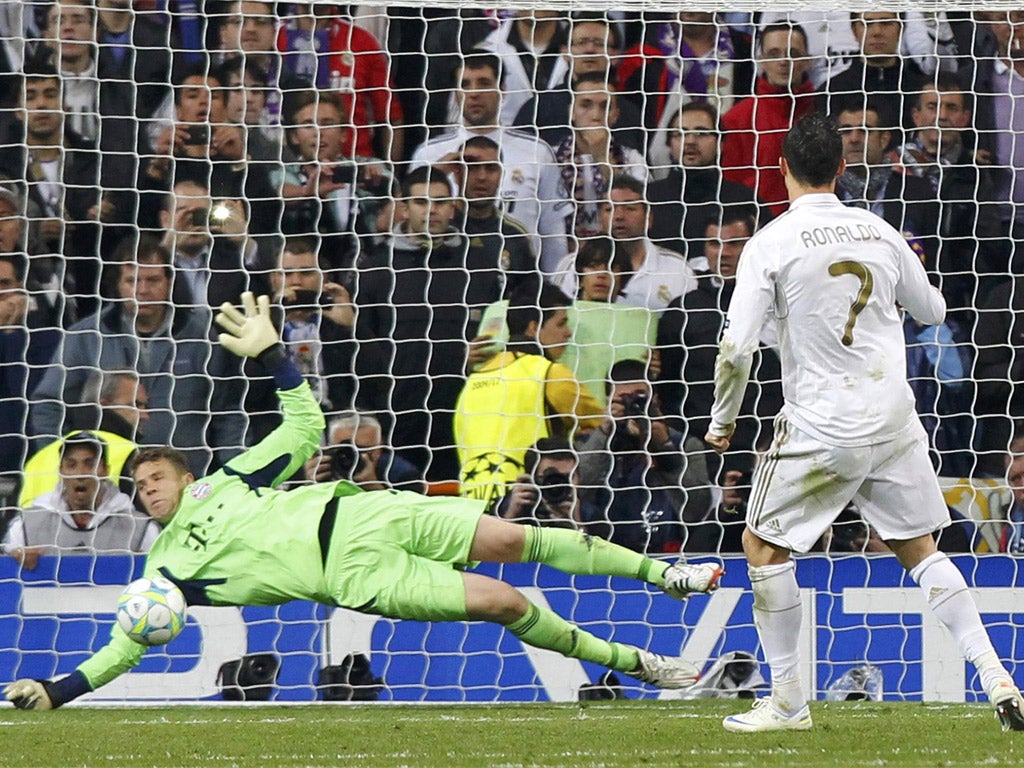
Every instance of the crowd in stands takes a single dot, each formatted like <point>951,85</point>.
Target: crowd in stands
<point>500,245</point>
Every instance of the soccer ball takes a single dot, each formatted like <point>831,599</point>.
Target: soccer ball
<point>151,611</point>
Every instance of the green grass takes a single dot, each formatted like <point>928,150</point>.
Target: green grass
<point>678,734</point>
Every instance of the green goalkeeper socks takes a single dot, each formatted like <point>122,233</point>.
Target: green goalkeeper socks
<point>544,628</point>
<point>575,552</point>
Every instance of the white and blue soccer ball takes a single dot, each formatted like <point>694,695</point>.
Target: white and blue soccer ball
<point>151,611</point>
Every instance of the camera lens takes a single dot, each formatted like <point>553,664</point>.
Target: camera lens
<point>555,487</point>
<point>344,461</point>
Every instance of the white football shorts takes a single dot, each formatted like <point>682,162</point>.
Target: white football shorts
<point>802,484</point>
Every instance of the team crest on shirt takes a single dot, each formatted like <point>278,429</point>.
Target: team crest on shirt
<point>200,491</point>
<point>517,176</point>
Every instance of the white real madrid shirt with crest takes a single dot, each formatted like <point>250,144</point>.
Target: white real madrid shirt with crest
<point>834,278</point>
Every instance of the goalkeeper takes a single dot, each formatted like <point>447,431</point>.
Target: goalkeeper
<point>232,539</point>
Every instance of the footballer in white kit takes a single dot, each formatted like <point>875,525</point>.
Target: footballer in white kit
<point>834,279</point>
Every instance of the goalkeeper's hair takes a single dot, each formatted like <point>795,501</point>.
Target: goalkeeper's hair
<point>161,453</point>
<point>813,150</point>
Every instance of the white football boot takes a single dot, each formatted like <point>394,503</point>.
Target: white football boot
<point>664,671</point>
<point>765,716</point>
<point>684,579</point>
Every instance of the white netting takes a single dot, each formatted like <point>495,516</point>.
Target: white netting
<point>616,154</point>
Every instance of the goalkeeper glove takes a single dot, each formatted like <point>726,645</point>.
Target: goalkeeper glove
<point>29,694</point>
<point>251,334</point>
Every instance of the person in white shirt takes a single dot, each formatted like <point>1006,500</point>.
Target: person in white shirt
<point>84,513</point>
<point>651,276</point>
<point>834,279</point>
<point>530,188</point>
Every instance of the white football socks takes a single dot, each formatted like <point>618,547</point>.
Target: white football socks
<point>777,614</point>
<point>947,594</point>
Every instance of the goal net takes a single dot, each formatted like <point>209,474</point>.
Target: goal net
<point>423,191</point>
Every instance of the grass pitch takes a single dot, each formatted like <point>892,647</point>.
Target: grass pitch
<point>650,733</point>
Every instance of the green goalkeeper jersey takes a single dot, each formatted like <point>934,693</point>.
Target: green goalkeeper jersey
<point>235,539</point>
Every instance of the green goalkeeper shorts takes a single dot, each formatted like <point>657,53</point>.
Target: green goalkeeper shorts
<point>399,554</point>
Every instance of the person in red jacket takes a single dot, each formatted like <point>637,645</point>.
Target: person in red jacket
<point>755,127</point>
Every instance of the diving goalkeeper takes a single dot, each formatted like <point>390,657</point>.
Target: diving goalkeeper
<point>233,539</point>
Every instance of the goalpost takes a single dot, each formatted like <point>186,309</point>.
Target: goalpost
<point>310,181</point>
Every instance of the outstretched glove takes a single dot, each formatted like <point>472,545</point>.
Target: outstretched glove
<point>29,694</point>
<point>250,334</point>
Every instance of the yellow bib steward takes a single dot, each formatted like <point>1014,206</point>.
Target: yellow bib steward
<point>510,403</point>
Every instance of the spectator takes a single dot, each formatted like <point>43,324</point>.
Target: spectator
<point>590,156</point>
<point>831,45</point>
<point>135,49</point>
<point>249,27</point>
<point>652,276</point>
<point>519,396</point>
<point>323,192</point>
<point>337,56</point>
<point>51,292</point>
<point>355,451</point>
<point>969,223</point>
<point>694,57</point>
<point>530,182</point>
<point>114,408</point>
<point>318,322</point>
<point>755,127</point>
<point>244,101</point>
<point>25,350</point>
<point>636,470</point>
<point>208,241</point>
<point>546,492</point>
<point>193,394</point>
<point>598,275</point>
<point>418,302</point>
<point>688,336</point>
<point>1012,539</point>
<point>992,73</point>
<point>871,180</point>
<point>83,514</point>
<point>204,146</point>
<point>61,172</point>
<point>692,191</point>
<point>938,363</point>
<point>998,373</point>
<point>494,236</point>
<point>880,70</point>
<point>593,47</point>
<point>530,47</point>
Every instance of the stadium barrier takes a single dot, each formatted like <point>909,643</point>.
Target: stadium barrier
<point>857,609</point>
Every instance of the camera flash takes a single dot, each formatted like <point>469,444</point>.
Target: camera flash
<point>220,212</point>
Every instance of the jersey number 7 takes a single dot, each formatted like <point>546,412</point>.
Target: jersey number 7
<point>867,282</point>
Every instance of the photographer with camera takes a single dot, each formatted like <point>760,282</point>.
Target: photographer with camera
<point>355,452</point>
<point>545,494</point>
<point>318,321</point>
<point>208,240</point>
<point>645,479</point>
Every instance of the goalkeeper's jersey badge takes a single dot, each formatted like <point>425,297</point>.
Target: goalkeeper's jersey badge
<point>200,491</point>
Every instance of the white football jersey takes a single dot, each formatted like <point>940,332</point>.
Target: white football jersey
<point>832,278</point>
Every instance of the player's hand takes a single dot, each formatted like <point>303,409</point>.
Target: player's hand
<point>720,443</point>
<point>28,694</point>
<point>252,333</point>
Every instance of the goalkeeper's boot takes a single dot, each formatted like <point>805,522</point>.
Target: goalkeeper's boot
<point>765,716</point>
<point>1006,699</point>
<point>664,671</point>
<point>683,579</point>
